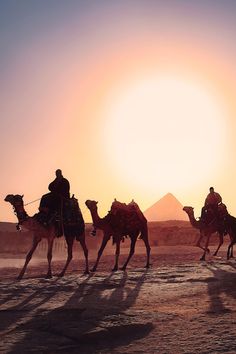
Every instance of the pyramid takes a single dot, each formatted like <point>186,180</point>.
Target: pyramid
<point>167,208</point>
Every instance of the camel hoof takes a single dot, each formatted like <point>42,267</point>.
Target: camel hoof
<point>202,259</point>
<point>48,276</point>
<point>61,275</point>
<point>93,270</point>
<point>19,277</point>
<point>114,269</point>
<point>86,272</point>
<point>123,268</point>
<point>208,251</point>
<point>147,266</point>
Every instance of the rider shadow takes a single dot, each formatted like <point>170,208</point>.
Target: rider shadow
<point>93,318</point>
<point>221,286</point>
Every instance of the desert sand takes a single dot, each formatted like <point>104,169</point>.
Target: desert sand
<point>179,305</point>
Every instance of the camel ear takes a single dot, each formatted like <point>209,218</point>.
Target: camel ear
<point>22,196</point>
<point>96,202</point>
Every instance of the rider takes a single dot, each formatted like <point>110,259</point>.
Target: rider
<point>52,202</point>
<point>212,202</point>
<point>60,186</point>
<point>213,199</point>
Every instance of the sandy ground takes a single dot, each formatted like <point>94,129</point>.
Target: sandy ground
<point>179,305</point>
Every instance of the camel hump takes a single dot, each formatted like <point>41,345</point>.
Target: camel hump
<point>123,207</point>
<point>116,205</point>
<point>127,210</point>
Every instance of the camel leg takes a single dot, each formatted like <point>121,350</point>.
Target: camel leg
<point>69,241</point>
<point>103,245</point>
<point>232,253</point>
<point>206,249</point>
<point>115,268</point>
<point>83,245</point>
<point>220,243</point>
<point>198,244</point>
<point>49,256</point>
<point>131,252</point>
<point>148,249</point>
<point>230,250</point>
<point>29,256</point>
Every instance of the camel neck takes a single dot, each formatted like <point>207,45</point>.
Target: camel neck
<point>21,214</point>
<point>193,221</point>
<point>96,218</point>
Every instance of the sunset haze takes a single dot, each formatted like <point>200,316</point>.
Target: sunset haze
<point>130,99</point>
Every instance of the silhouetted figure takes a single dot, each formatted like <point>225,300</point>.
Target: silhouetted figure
<point>51,204</point>
<point>210,209</point>
<point>213,198</point>
<point>60,186</point>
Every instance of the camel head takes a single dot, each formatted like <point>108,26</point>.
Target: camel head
<point>91,204</point>
<point>18,205</point>
<point>188,210</point>
<point>15,200</point>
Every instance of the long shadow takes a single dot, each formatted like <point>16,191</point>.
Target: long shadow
<point>17,313</point>
<point>225,283</point>
<point>93,318</point>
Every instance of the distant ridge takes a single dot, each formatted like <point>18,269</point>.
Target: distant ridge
<point>167,208</point>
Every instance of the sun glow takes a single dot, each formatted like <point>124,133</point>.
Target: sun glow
<point>165,132</point>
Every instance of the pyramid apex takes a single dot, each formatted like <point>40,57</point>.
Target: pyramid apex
<point>166,208</point>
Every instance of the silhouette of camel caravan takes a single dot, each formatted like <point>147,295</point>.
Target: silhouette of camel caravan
<point>67,221</point>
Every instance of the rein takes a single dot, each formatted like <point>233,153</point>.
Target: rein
<point>33,201</point>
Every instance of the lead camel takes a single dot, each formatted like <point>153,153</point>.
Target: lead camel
<point>39,232</point>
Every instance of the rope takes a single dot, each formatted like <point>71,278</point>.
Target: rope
<point>33,201</point>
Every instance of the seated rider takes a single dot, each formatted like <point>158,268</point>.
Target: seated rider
<point>60,186</point>
<point>52,203</point>
<point>210,209</point>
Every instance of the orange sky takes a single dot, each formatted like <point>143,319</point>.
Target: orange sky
<point>70,68</point>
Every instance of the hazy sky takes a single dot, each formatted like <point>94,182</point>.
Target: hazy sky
<point>131,99</point>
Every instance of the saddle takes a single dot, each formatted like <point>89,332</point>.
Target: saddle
<point>125,216</point>
<point>215,215</point>
<point>66,217</point>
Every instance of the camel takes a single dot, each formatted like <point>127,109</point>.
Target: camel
<point>111,226</point>
<point>40,231</point>
<point>207,231</point>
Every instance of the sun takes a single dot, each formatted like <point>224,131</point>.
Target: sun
<point>164,132</point>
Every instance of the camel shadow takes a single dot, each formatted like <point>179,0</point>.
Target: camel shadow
<point>39,295</point>
<point>96,316</point>
<point>224,284</point>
